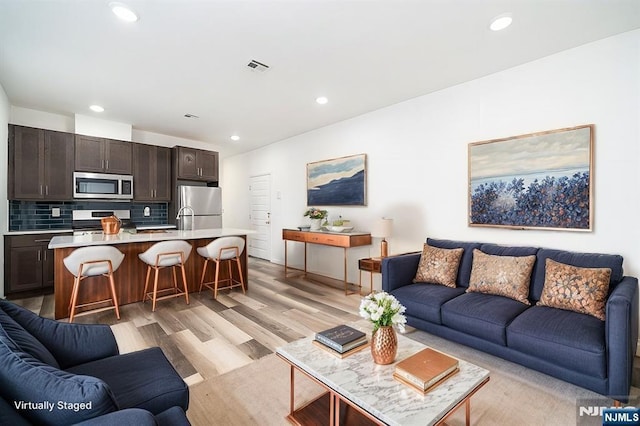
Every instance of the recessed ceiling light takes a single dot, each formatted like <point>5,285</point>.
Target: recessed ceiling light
<point>123,12</point>
<point>235,137</point>
<point>322,100</point>
<point>96,108</point>
<point>501,22</point>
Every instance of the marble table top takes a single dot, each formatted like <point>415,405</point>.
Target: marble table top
<point>372,387</point>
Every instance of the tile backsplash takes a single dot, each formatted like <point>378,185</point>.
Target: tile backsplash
<point>36,215</point>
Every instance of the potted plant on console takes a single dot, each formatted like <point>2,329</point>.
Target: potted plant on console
<point>316,216</point>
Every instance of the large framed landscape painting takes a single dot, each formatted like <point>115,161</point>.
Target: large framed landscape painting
<point>537,181</point>
<point>337,182</point>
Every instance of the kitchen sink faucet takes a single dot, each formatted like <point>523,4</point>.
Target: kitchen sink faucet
<point>192,215</point>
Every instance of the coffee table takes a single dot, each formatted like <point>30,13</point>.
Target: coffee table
<point>358,391</point>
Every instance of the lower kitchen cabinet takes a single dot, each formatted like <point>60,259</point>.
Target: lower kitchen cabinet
<point>28,264</point>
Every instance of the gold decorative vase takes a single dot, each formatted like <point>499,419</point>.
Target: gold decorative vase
<point>384,345</point>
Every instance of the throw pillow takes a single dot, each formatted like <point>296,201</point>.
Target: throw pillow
<point>507,276</point>
<point>438,266</point>
<point>572,288</point>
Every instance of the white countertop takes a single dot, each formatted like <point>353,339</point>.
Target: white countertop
<point>65,241</point>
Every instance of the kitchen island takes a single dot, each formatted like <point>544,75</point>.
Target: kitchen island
<point>130,276</point>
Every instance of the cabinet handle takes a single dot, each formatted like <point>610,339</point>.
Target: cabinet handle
<point>45,255</point>
<point>107,165</point>
<point>102,164</point>
<point>42,241</point>
<point>151,190</point>
<point>40,189</point>
<point>39,255</point>
<point>46,190</point>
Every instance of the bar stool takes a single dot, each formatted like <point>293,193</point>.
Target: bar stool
<point>90,262</point>
<point>162,255</point>
<point>225,249</point>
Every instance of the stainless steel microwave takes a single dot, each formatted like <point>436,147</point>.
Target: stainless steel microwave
<point>102,186</point>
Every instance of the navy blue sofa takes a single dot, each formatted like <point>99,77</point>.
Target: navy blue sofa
<point>574,347</point>
<point>55,373</point>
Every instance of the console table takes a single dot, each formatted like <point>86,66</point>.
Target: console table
<point>335,239</point>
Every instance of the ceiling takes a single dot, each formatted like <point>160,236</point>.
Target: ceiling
<point>190,57</point>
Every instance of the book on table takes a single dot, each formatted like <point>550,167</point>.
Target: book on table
<point>425,368</point>
<point>341,338</point>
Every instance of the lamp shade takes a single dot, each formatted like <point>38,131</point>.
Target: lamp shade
<point>382,228</point>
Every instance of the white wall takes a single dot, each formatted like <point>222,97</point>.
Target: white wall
<point>4,207</point>
<point>417,157</point>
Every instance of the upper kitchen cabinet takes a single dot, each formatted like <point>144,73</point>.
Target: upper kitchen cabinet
<point>103,155</point>
<point>196,164</point>
<point>151,173</point>
<point>41,164</point>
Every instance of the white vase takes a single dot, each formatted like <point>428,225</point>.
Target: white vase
<point>315,224</point>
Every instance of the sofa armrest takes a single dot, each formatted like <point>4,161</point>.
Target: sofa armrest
<point>621,333</point>
<point>70,344</point>
<point>398,271</point>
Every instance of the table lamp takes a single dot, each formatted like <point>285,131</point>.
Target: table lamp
<point>382,229</point>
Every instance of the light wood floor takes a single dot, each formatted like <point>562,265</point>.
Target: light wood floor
<point>210,337</point>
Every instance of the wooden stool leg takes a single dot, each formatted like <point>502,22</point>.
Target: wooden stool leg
<point>184,281</point>
<point>113,291</point>
<point>241,277</point>
<point>175,278</point>
<point>146,284</point>
<point>215,281</point>
<point>155,290</point>
<point>74,297</point>
<point>204,271</point>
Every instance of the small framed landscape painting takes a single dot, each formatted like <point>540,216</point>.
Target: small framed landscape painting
<point>537,181</point>
<point>337,182</point>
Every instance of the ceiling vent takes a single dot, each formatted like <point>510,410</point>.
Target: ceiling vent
<point>257,66</point>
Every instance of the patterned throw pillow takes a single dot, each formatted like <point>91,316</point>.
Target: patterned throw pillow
<point>582,290</point>
<point>507,276</point>
<point>438,266</point>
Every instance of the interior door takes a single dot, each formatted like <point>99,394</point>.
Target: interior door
<point>260,216</point>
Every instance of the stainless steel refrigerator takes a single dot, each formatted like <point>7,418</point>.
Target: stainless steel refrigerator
<point>206,203</point>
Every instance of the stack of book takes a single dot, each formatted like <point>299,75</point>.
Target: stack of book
<point>342,340</point>
<point>425,369</point>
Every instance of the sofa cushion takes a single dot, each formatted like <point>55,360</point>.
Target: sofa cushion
<point>423,300</point>
<point>582,290</point>
<point>582,260</point>
<point>464,270</point>
<point>24,378</point>
<point>25,341</point>
<point>143,379</point>
<point>481,315</point>
<point>438,266</point>
<point>9,416</point>
<point>569,339</point>
<point>507,276</point>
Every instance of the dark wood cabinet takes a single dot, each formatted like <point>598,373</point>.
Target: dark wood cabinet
<point>197,164</point>
<point>151,173</point>
<point>102,155</point>
<point>29,264</point>
<point>42,166</point>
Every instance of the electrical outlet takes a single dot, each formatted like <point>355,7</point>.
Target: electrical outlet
<point>55,212</point>
<point>147,211</point>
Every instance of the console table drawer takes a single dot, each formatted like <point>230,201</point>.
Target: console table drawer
<point>288,234</point>
<point>329,240</point>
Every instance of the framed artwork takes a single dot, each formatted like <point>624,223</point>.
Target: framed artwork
<point>537,181</point>
<point>337,182</point>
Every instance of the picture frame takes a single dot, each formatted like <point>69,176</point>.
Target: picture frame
<point>539,180</point>
<point>338,181</point>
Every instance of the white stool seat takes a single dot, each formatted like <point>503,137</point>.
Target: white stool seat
<point>169,251</point>
<point>222,248</point>
<point>225,249</point>
<point>88,262</point>
<point>173,253</point>
<point>93,254</point>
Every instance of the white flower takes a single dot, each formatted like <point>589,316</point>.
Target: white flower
<point>383,309</point>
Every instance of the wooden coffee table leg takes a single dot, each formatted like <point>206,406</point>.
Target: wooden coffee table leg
<point>292,393</point>
<point>467,409</point>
